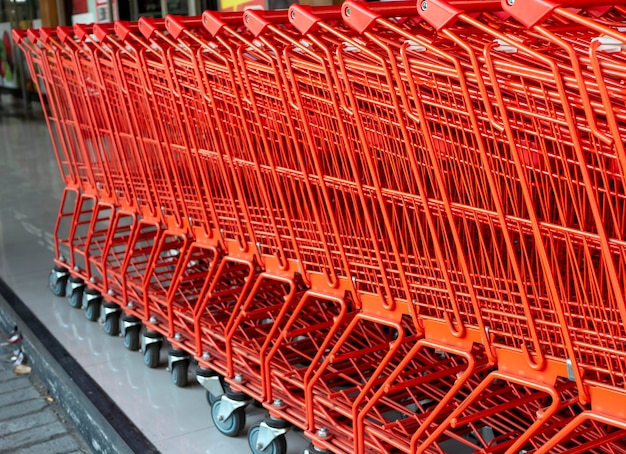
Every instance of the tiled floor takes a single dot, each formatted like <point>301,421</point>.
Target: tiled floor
<point>175,420</point>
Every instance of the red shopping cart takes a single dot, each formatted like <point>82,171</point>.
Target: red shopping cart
<point>398,226</point>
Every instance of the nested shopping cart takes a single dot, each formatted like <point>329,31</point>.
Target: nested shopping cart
<point>255,328</point>
<point>531,158</point>
<point>87,205</point>
<point>246,311</point>
<point>398,226</point>
<point>338,39</point>
<point>378,350</point>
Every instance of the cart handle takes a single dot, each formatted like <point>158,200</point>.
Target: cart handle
<point>33,35</point>
<point>47,33</point>
<point>19,35</point>
<point>305,18</point>
<point>215,21</point>
<point>65,33</point>
<point>360,16</point>
<point>148,26</point>
<point>101,31</point>
<point>176,24</point>
<point>82,30</point>
<point>257,21</point>
<point>123,28</point>
<point>440,13</point>
<point>532,12</point>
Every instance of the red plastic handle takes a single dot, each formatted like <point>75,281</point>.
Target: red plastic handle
<point>257,21</point>
<point>148,26</point>
<point>532,12</point>
<point>360,15</point>
<point>123,28</point>
<point>214,21</point>
<point>100,30</point>
<point>176,24</point>
<point>47,33</point>
<point>440,13</point>
<point>476,6</point>
<point>18,35</point>
<point>65,33</point>
<point>33,35</point>
<point>82,30</point>
<point>305,18</point>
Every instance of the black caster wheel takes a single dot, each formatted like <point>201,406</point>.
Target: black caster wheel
<point>180,370</point>
<point>57,281</point>
<point>91,304</point>
<point>112,323</point>
<point>277,446</point>
<point>131,338</point>
<point>152,355</point>
<point>257,404</point>
<point>92,311</point>
<point>74,292</point>
<point>233,424</point>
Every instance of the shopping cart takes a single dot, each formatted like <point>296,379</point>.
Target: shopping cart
<point>256,289</point>
<point>470,36</point>
<point>283,406</point>
<point>503,325</point>
<point>86,208</point>
<point>255,327</point>
<point>340,37</point>
<point>591,52</point>
<point>395,225</point>
<point>577,148</point>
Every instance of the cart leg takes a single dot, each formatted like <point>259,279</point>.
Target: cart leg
<point>92,300</point>
<point>212,382</point>
<point>178,364</point>
<point>74,292</point>
<point>112,314</point>
<point>57,280</point>
<point>151,343</point>
<point>131,327</point>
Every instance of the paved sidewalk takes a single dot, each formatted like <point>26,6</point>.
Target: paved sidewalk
<point>30,420</point>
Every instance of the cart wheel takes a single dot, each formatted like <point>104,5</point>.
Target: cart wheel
<point>277,446</point>
<point>131,338</point>
<point>152,355</point>
<point>180,371</point>
<point>257,404</point>
<point>74,294</point>
<point>210,397</point>
<point>112,324</point>
<point>231,426</point>
<point>57,284</point>
<point>92,310</point>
